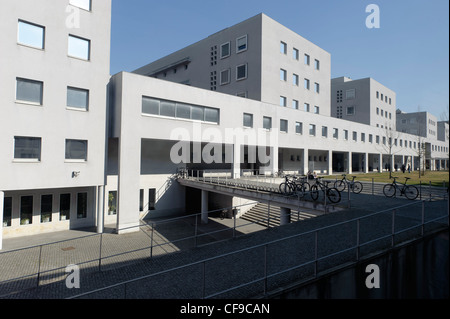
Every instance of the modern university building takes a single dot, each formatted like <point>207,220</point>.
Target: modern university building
<point>82,148</point>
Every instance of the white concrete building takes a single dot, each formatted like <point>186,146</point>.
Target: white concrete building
<point>55,71</point>
<point>259,59</point>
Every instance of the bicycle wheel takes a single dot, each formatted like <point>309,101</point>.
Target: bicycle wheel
<point>389,190</point>
<point>340,185</point>
<point>333,195</point>
<point>314,192</point>
<point>285,188</point>
<point>357,187</point>
<point>411,192</point>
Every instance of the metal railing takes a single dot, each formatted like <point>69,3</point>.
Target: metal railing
<point>256,270</point>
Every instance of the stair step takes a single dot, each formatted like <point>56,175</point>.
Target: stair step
<point>258,215</point>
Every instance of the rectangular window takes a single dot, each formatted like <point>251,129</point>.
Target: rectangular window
<point>197,113</point>
<point>267,123</point>
<point>384,140</point>
<point>212,115</point>
<point>350,94</point>
<point>370,138</point>
<point>312,130</point>
<point>378,111</point>
<point>27,148</point>
<point>283,75</point>
<point>29,91</point>
<point>295,104</point>
<point>283,47</point>
<point>295,79</point>
<point>324,131</point>
<point>306,107</point>
<point>225,50</point>
<point>152,199</point>
<point>64,207</point>
<point>346,135</point>
<point>225,77</point>
<point>141,200</point>
<point>79,48</point>
<point>355,136</point>
<point>76,150</point>
<point>150,106</point>
<point>295,54</point>
<point>167,108</point>
<point>335,133</point>
<point>26,210</point>
<point>307,84</point>
<point>306,59</point>
<point>283,101</point>
<point>112,203</point>
<point>284,126</point>
<point>363,137</point>
<point>78,98</point>
<point>248,120</point>
<point>30,34</point>
<point>83,4</point>
<point>241,44</point>
<point>46,208</point>
<point>378,95</point>
<point>316,110</point>
<point>7,211</point>
<point>82,205</point>
<point>298,128</point>
<point>317,87</point>
<point>377,139</point>
<point>350,110</point>
<point>183,111</point>
<point>317,64</point>
<point>241,72</point>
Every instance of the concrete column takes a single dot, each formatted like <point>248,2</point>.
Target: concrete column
<point>274,159</point>
<point>330,162</point>
<point>204,208</point>
<point>366,163</point>
<point>236,165</point>
<point>380,161</point>
<point>285,216</point>
<point>349,162</point>
<point>305,161</point>
<point>2,198</point>
<point>100,209</point>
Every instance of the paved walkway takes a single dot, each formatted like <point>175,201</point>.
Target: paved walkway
<point>216,274</point>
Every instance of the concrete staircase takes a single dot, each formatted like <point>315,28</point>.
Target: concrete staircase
<point>258,215</point>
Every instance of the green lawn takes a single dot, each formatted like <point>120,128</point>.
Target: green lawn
<point>437,178</point>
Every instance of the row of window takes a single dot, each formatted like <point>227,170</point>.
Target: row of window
<point>33,35</point>
<point>225,75</point>
<point>172,109</point>
<point>225,48</point>
<point>296,81</point>
<point>296,55</point>
<point>32,91</point>
<point>46,208</point>
<point>384,113</point>
<point>295,105</point>
<point>383,98</point>
<point>29,149</point>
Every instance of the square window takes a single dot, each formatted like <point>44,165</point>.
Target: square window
<point>225,77</point>
<point>83,4</point>
<point>27,148</point>
<point>197,113</point>
<point>350,94</point>
<point>267,123</point>
<point>283,47</point>
<point>29,91</point>
<point>150,106</point>
<point>30,34</point>
<point>248,120</point>
<point>167,108</point>
<point>350,110</point>
<point>79,48</point>
<point>225,50</point>
<point>212,115</point>
<point>241,72</point>
<point>183,111</point>
<point>284,126</point>
<point>78,98</point>
<point>241,44</point>
<point>76,150</point>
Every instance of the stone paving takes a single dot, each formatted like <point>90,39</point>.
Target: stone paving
<point>194,277</point>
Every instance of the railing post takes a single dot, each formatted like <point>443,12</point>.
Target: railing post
<point>39,266</point>
<point>316,253</point>
<point>373,186</point>
<point>204,280</point>
<point>151,240</point>
<point>357,239</point>
<point>430,191</point>
<point>196,230</point>
<point>268,215</point>
<point>393,227</point>
<point>423,217</point>
<point>100,253</point>
<point>265,269</point>
<point>420,190</point>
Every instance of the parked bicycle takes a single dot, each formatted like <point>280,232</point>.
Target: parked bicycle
<point>294,185</point>
<point>355,186</point>
<point>411,192</point>
<point>332,193</point>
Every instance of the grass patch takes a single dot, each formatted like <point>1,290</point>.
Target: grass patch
<point>437,178</point>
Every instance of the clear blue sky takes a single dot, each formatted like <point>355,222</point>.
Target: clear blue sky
<point>409,53</point>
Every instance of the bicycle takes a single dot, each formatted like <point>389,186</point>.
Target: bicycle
<point>411,192</point>
<point>355,186</point>
<point>332,193</point>
<point>293,184</point>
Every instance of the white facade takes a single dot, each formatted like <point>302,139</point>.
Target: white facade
<point>55,69</point>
